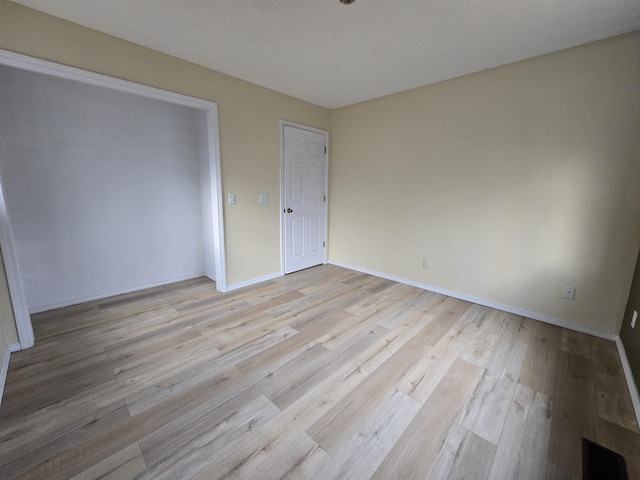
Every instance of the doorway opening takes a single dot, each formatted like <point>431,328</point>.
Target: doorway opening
<point>203,118</point>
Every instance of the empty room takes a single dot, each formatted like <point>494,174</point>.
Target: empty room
<point>337,239</point>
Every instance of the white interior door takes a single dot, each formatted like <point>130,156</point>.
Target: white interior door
<point>304,198</point>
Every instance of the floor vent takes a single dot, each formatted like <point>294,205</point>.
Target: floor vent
<point>599,463</point>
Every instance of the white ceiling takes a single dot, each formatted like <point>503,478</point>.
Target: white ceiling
<point>335,55</point>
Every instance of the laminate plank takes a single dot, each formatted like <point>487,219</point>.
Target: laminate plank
<point>123,465</point>
<point>19,460</point>
<point>371,304</point>
<point>464,456</point>
<point>481,347</point>
<point>613,400</point>
<point>56,388</point>
<point>202,435</point>
<point>477,314</point>
<point>523,449</point>
<point>307,465</point>
<point>520,328</point>
<point>335,299</point>
<point>344,333</point>
<point>33,378</point>
<point>287,429</point>
<point>374,356</point>
<point>540,364</point>
<point>28,364</point>
<point>116,330</point>
<point>280,353</point>
<point>406,294</point>
<point>360,454</point>
<point>337,424</point>
<point>428,371</point>
<point>185,353</point>
<point>308,378</point>
<point>574,412</point>
<point>180,382</point>
<point>448,312</point>
<point>554,472</point>
<point>378,285</point>
<point>149,350</point>
<point>575,342</point>
<point>74,460</point>
<point>488,409</point>
<point>234,322</point>
<point>415,453</point>
<point>274,460</point>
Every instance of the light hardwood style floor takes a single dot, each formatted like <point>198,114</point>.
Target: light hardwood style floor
<point>325,373</point>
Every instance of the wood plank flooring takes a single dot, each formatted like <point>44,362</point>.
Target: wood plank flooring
<point>325,373</point>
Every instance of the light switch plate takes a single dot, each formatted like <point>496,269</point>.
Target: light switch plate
<point>264,198</point>
<point>232,199</point>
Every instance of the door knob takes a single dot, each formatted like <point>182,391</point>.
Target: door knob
<point>289,210</point>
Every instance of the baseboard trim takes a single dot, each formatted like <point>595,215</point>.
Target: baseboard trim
<point>4,368</point>
<point>15,347</point>
<point>481,301</point>
<point>253,281</point>
<point>626,366</point>
<point>44,308</point>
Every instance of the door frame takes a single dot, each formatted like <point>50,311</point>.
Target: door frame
<point>325,133</point>
<point>24,62</point>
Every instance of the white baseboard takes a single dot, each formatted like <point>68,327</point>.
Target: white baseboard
<point>44,308</point>
<point>633,388</point>
<point>253,281</point>
<point>4,368</point>
<point>15,347</point>
<point>487,303</point>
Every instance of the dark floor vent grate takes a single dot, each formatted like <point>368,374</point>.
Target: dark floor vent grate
<point>599,463</point>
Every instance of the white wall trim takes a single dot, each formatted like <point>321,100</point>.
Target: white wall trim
<point>23,62</point>
<point>4,368</point>
<point>284,123</point>
<point>633,388</point>
<point>254,281</point>
<point>15,347</point>
<point>215,172</point>
<point>44,308</point>
<point>18,300</point>
<point>486,303</point>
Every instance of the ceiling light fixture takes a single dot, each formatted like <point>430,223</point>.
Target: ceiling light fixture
<point>347,2</point>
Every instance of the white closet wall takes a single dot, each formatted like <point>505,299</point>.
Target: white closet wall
<point>103,188</point>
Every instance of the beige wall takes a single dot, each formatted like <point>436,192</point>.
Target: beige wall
<point>248,118</point>
<point>513,182</point>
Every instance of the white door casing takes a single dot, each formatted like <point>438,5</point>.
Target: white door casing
<point>303,197</point>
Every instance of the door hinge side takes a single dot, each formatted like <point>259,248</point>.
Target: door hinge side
<point>325,149</point>
<point>324,244</point>
<point>325,198</point>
